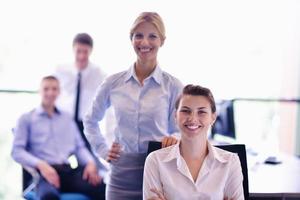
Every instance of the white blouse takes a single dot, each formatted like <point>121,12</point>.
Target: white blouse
<point>220,176</point>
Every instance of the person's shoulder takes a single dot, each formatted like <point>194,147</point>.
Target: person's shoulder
<point>63,70</point>
<point>226,156</point>
<point>66,67</point>
<point>109,83</point>
<point>95,73</point>
<point>114,78</point>
<point>27,116</point>
<point>65,114</point>
<point>161,154</point>
<point>96,68</point>
<point>167,77</point>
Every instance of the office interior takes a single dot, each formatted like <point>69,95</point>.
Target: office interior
<point>246,52</point>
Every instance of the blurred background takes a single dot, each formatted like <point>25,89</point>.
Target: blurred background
<point>246,52</point>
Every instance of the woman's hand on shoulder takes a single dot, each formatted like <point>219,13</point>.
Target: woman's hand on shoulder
<point>168,141</point>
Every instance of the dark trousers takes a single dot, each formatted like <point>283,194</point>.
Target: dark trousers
<point>70,182</point>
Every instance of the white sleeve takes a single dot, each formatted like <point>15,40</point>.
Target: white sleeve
<point>234,185</point>
<point>151,177</point>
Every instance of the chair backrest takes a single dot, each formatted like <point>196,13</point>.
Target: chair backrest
<point>240,149</point>
<point>27,179</point>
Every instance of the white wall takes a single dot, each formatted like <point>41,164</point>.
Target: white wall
<point>237,48</point>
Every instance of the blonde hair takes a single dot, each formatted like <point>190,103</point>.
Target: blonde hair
<point>153,18</point>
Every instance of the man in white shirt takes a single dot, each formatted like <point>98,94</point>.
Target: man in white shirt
<point>89,75</point>
<point>79,81</point>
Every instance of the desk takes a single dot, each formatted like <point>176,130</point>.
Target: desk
<point>280,180</point>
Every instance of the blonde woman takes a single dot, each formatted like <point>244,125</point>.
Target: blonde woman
<point>193,169</point>
<point>143,98</point>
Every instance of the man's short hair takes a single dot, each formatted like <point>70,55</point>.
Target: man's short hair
<point>83,38</point>
<point>51,78</point>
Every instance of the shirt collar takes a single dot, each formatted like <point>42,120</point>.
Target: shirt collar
<point>156,74</point>
<point>130,73</point>
<point>213,154</point>
<point>173,154</point>
<point>82,72</point>
<point>41,111</point>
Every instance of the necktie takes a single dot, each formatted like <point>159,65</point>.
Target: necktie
<point>77,97</point>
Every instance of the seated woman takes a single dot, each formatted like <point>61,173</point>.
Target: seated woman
<point>193,169</point>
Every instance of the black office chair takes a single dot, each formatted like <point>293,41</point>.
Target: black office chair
<point>240,149</point>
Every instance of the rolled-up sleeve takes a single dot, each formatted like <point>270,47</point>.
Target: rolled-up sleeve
<point>21,136</point>
<point>94,115</point>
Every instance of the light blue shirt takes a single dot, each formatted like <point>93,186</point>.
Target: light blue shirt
<point>143,112</point>
<point>52,139</point>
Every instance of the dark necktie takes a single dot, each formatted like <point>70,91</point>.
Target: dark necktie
<point>77,97</point>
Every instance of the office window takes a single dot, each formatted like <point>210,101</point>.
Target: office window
<point>267,127</point>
